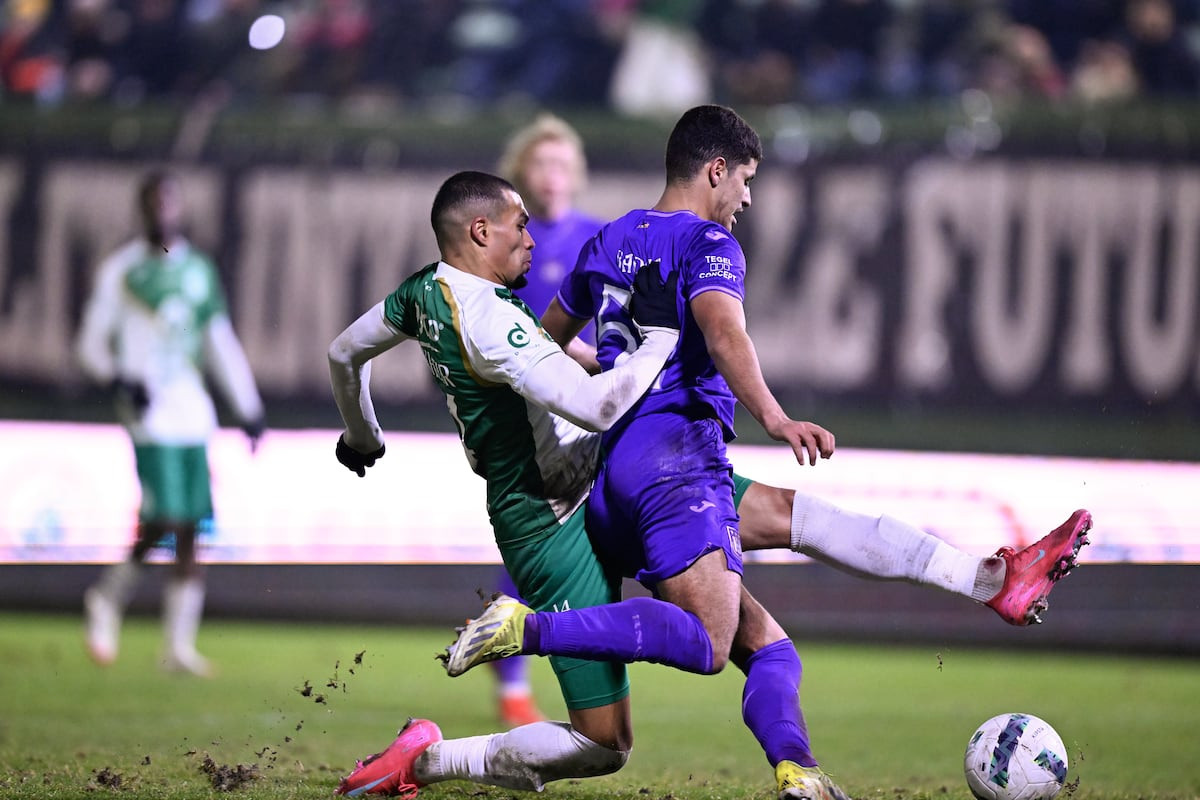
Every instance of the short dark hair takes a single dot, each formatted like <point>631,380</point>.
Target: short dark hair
<point>707,132</point>
<point>150,185</point>
<point>462,192</point>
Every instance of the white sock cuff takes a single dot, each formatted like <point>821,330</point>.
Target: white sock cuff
<point>812,519</point>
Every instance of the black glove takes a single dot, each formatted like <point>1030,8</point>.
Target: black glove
<point>355,461</point>
<point>130,392</point>
<point>254,430</point>
<point>653,303</point>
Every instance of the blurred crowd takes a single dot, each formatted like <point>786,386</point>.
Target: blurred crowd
<point>628,55</point>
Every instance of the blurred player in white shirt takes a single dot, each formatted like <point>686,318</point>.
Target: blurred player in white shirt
<point>154,326</point>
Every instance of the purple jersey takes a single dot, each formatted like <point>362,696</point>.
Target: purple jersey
<point>708,259</point>
<point>556,249</point>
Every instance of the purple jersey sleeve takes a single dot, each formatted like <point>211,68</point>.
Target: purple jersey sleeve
<point>708,259</point>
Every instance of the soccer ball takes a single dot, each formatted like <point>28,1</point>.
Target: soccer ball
<point>1015,757</point>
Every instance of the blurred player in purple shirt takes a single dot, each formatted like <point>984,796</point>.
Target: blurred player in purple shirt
<point>546,162</point>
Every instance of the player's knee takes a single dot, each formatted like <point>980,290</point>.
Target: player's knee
<point>584,759</point>
<point>720,638</point>
<point>608,761</point>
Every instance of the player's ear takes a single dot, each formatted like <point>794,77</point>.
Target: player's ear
<point>479,231</point>
<point>716,171</point>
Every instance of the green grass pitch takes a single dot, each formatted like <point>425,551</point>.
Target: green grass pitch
<point>888,722</point>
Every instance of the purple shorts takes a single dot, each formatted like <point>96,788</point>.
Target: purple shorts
<point>663,498</point>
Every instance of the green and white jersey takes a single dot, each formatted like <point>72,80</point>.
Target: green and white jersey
<point>146,321</point>
<point>480,340</point>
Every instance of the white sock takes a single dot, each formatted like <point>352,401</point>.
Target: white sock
<point>525,758</point>
<point>183,605</point>
<point>886,548</point>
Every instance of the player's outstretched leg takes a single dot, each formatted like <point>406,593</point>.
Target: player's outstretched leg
<point>497,633</point>
<point>391,772</point>
<point>805,783</point>
<point>636,629</point>
<point>1032,571</point>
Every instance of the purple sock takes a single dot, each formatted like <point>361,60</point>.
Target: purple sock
<point>637,629</point>
<point>771,704</point>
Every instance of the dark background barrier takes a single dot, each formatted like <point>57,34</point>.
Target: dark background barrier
<point>1100,607</point>
<point>1036,295</point>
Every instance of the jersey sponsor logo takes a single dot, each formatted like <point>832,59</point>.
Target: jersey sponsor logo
<point>428,328</point>
<point>517,337</point>
<point>716,236</point>
<point>718,267</point>
<point>701,507</point>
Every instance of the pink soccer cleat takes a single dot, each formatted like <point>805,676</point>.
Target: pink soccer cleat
<point>1033,571</point>
<point>391,772</point>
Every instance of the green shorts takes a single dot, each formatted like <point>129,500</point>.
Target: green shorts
<point>175,483</point>
<point>740,485</point>
<point>567,574</point>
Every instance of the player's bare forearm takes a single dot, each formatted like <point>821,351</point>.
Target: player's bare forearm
<point>583,353</point>
<point>722,320</point>
<point>736,359</point>
<point>565,329</point>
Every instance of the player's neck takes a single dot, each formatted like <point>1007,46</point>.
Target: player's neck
<point>167,244</point>
<point>473,266</point>
<point>683,197</point>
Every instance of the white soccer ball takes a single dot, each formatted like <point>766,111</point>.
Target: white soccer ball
<point>1015,757</point>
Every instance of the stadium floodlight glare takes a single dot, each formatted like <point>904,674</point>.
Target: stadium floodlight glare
<point>267,31</point>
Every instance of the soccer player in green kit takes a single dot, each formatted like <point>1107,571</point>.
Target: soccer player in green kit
<point>155,322</point>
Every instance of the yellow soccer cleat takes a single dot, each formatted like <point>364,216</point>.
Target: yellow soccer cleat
<point>805,783</point>
<point>498,633</point>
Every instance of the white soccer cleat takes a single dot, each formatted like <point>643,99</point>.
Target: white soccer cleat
<point>499,632</point>
<point>187,662</point>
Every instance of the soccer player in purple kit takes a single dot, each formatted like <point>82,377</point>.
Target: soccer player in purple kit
<point>662,508</point>
<point>665,506</point>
